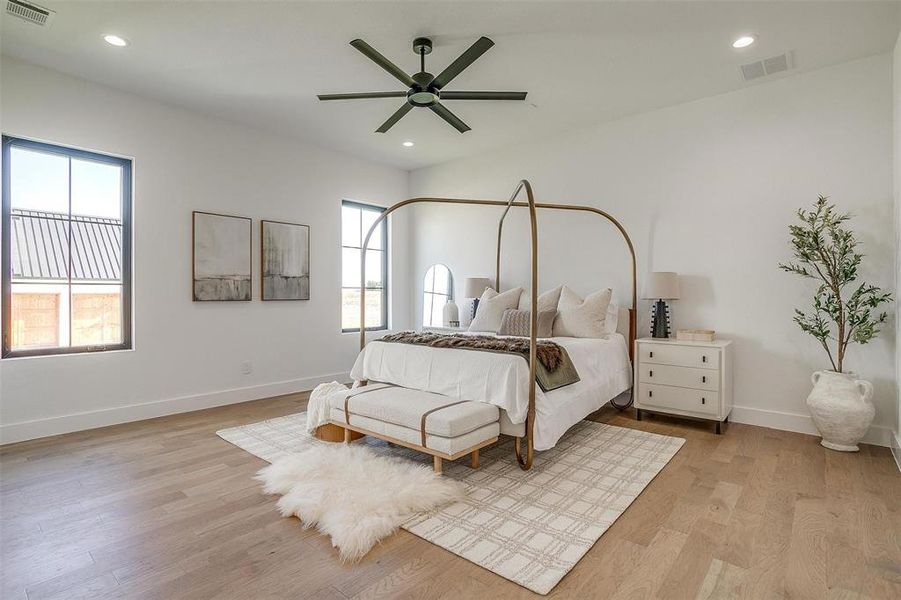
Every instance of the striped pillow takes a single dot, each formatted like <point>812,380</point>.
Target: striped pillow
<point>516,322</point>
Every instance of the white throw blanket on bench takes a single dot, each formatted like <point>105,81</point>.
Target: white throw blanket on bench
<point>318,406</point>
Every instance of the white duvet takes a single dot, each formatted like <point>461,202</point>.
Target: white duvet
<point>503,379</point>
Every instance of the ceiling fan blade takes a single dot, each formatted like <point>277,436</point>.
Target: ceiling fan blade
<point>394,118</point>
<point>483,95</point>
<point>362,95</point>
<point>374,55</point>
<point>441,110</point>
<point>464,60</point>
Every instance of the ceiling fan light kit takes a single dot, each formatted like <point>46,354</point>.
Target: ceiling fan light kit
<point>424,89</point>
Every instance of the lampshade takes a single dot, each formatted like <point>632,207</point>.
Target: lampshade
<point>474,286</point>
<point>663,285</point>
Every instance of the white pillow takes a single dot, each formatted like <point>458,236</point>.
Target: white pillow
<point>546,301</point>
<point>582,318</point>
<point>491,309</point>
<point>612,320</point>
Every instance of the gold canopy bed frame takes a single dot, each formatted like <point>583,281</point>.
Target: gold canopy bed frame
<point>523,458</point>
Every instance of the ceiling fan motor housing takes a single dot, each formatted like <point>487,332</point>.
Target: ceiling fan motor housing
<point>422,94</point>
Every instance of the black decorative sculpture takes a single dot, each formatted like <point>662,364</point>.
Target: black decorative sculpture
<point>660,321</point>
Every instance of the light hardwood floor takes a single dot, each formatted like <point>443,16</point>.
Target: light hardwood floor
<point>165,509</point>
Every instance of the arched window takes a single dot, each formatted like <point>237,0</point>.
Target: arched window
<point>438,288</point>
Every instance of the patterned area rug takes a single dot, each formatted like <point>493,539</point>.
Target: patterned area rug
<point>530,527</point>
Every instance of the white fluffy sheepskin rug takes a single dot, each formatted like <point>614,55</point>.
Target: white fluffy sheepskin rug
<point>353,495</point>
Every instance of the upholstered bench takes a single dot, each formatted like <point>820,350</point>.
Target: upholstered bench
<point>430,423</point>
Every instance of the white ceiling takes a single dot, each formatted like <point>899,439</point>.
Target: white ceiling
<point>262,63</point>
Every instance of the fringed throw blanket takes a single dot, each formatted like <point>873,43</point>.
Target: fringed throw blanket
<point>554,369</point>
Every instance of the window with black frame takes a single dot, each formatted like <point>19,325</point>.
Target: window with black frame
<point>356,220</point>
<point>66,273</point>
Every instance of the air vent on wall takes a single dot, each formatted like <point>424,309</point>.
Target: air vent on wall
<point>767,66</point>
<point>29,12</point>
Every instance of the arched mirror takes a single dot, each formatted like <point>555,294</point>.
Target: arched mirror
<point>438,288</point>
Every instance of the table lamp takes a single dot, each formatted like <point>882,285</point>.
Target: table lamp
<point>473,288</point>
<point>661,286</point>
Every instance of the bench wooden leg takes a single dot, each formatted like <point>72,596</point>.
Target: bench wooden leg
<point>436,461</point>
<point>474,459</point>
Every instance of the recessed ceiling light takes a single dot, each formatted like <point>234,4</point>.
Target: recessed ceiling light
<point>115,40</point>
<point>744,41</point>
<point>408,144</point>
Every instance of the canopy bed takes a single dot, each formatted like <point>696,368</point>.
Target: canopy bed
<point>496,378</point>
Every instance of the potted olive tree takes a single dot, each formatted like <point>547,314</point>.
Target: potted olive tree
<point>842,314</point>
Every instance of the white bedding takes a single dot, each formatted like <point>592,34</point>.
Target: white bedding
<point>503,379</point>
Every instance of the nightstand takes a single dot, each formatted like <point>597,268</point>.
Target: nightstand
<point>689,379</point>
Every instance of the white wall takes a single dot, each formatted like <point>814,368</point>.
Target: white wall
<point>706,189</point>
<point>188,355</point>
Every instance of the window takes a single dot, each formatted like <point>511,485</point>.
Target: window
<point>67,250</point>
<point>356,219</point>
<point>438,288</point>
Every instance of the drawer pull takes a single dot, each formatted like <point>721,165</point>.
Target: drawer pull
<point>650,373</point>
<point>650,393</point>
<point>704,358</point>
<point>651,354</point>
<point>703,400</point>
<point>703,379</point>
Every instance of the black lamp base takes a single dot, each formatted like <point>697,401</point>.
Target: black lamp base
<point>660,320</point>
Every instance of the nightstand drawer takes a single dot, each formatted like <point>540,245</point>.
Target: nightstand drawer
<point>688,377</point>
<point>680,356</point>
<point>665,397</point>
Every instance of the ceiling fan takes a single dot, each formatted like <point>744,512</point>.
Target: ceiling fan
<point>426,90</point>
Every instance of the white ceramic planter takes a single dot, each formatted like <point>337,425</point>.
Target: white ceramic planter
<point>841,407</point>
<point>450,313</point>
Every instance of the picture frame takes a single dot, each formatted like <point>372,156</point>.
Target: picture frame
<point>284,261</point>
<point>221,257</point>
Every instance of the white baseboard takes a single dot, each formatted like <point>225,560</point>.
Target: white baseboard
<point>896,448</point>
<point>38,428</point>
<point>877,434</point>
